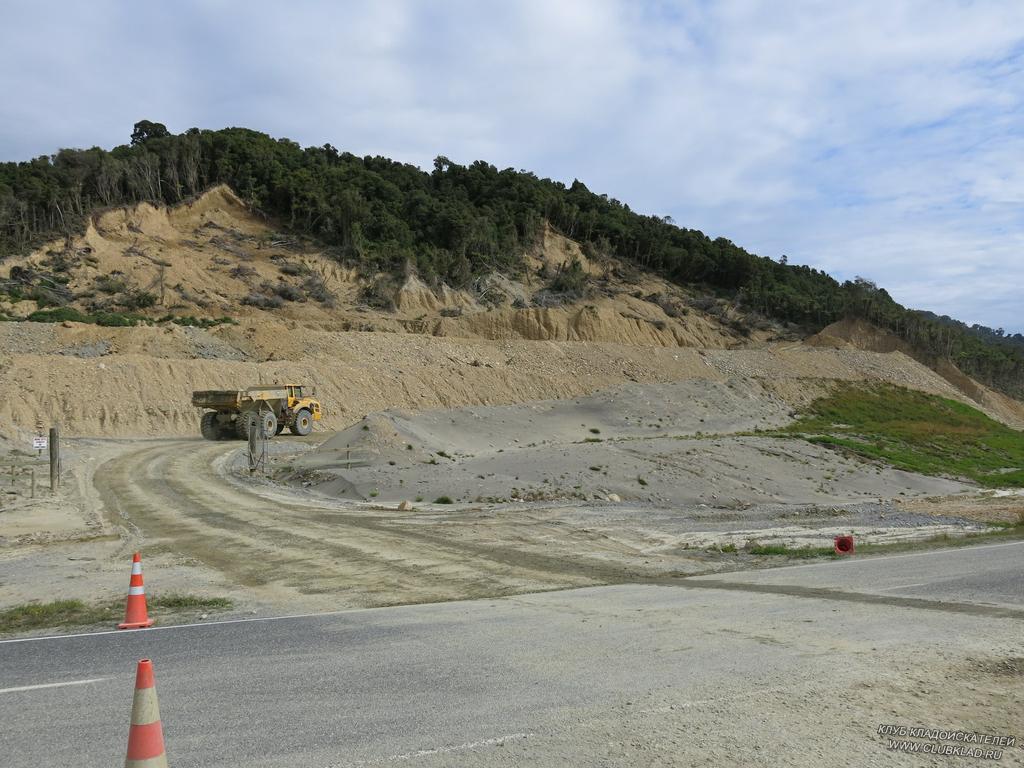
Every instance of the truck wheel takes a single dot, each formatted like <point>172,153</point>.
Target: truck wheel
<point>208,426</point>
<point>244,420</point>
<point>269,423</point>
<point>303,423</point>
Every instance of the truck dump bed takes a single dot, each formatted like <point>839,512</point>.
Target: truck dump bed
<point>233,400</point>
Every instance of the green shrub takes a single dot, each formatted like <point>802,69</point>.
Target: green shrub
<point>117,320</point>
<point>570,278</point>
<point>60,315</point>
<point>197,322</point>
<point>139,300</point>
<point>110,284</point>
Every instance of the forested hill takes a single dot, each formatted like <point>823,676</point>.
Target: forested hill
<point>453,223</point>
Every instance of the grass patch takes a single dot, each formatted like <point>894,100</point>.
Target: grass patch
<point>176,602</point>
<point>59,613</point>
<point>795,552</point>
<point>915,432</point>
<point>75,613</point>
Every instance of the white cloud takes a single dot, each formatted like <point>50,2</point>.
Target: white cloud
<point>879,137</point>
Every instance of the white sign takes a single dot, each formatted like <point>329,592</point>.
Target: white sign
<point>39,443</point>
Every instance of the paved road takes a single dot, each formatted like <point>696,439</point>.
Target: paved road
<point>991,574</point>
<point>625,675</point>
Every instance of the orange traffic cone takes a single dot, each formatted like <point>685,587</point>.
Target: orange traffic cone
<point>146,734</point>
<point>135,616</point>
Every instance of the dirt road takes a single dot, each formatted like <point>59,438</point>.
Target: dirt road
<point>280,548</point>
<point>289,549</point>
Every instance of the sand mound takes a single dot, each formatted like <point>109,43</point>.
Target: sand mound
<point>636,442</point>
<point>858,334</point>
<point>628,411</point>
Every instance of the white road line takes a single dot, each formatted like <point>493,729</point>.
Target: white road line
<point>342,612</point>
<point>903,586</point>
<point>135,632</point>
<point>53,685</point>
<point>440,750</point>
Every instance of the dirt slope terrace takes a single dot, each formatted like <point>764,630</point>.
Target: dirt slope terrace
<point>300,316</point>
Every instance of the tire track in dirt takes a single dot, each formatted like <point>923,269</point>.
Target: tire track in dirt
<point>292,550</point>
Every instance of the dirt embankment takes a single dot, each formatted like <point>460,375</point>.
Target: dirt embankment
<point>95,389</point>
<point>858,334</point>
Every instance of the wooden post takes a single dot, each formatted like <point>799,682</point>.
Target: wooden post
<point>33,475</point>
<point>54,458</point>
<point>12,475</point>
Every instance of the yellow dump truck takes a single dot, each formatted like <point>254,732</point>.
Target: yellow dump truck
<point>230,413</point>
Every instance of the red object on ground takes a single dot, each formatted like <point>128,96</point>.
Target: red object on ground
<point>135,615</point>
<point>145,734</point>
<point>844,545</point>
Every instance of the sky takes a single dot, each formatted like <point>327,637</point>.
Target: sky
<point>878,138</point>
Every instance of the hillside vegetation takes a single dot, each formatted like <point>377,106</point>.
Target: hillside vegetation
<point>451,225</point>
<point>917,432</point>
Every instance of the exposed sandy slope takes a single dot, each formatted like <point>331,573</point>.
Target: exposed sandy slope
<point>146,390</point>
<point>206,257</point>
<point>496,343</point>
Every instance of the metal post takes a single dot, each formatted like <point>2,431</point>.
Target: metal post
<point>54,458</point>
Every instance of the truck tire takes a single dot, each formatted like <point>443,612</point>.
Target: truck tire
<point>302,425</point>
<point>244,420</point>
<point>208,426</point>
<point>269,423</point>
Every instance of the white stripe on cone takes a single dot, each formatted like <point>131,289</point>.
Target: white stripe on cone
<point>136,569</point>
<point>136,590</point>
